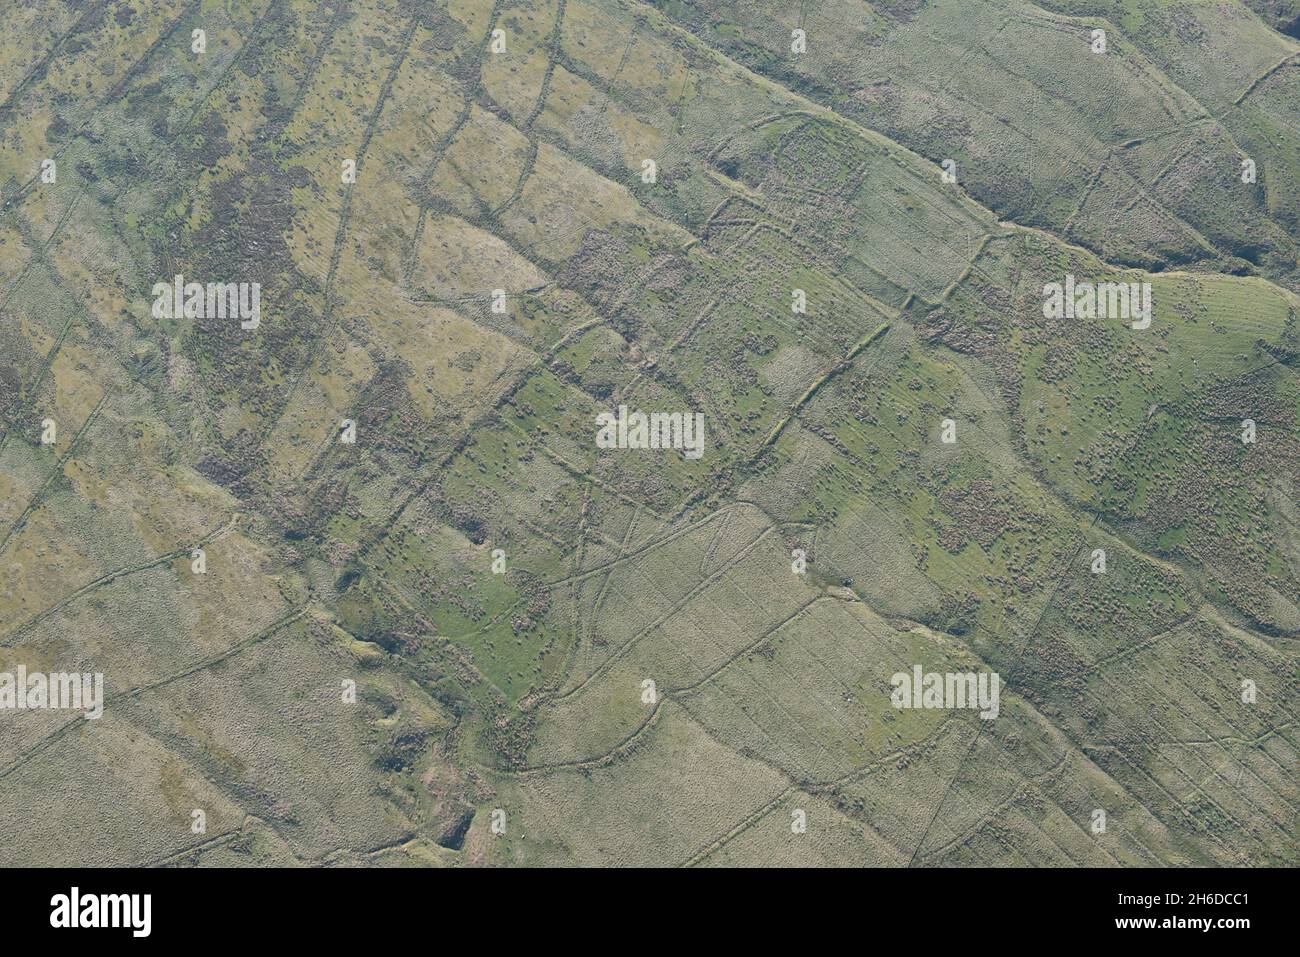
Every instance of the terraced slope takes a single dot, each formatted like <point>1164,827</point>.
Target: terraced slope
<point>569,654</point>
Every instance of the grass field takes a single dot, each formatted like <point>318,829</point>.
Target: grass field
<point>438,623</point>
